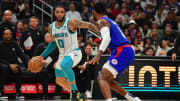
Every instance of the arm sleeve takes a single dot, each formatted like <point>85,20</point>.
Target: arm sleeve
<point>51,46</point>
<point>105,32</point>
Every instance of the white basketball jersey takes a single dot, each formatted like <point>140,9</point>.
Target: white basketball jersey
<point>65,39</point>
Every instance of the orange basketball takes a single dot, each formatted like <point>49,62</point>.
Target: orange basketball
<point>35,65</point>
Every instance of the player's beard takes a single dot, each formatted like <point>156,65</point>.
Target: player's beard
<point>94,18</point>
<point>60,20</point>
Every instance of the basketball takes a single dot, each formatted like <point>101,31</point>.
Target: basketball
<point>35,65</point>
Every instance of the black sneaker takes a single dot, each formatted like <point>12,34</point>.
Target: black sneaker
<point>77,96</point>
<point>19,97</point>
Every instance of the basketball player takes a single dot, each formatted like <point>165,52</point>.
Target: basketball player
<point>64,36</point>
<point>122,55</point>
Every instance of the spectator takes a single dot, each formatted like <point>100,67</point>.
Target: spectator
<point>20,30</point>
<point>155,38</point>
<point>85,15</point>
<point>27,12</point>
<point>10,53</point>
<point>163,49</point>
<point>72,13</point>
<point>124,5</point>
<point>48,71</point>
<point>127,34</point>
<point>159,18</point>
<point>132,28</point>
<point>170,20</point>
<point>85,72</point>
<point>169,36</point>
<point>155,26</point>
<point>139,36</point>
<point>149,12</point>
<point>7,24</point>
<point>125,17</point>
<point>145,30</point>
<point>149,51</point>
<point>33,36</point>
<point>138,49</point>
<point>116,10</point>
<point>143,20</point>
<point>120,22</point>
<point>20,5</point>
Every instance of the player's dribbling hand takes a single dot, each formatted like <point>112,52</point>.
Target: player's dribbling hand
<point>94,60</point>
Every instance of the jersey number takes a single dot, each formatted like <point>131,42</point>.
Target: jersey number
<point>61,43</point>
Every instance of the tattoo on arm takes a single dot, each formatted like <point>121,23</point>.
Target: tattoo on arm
<point>75,23</point>
<point>102,23</point>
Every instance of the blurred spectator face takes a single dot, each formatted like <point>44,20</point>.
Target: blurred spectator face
<point>72,7</point>
<point>126,32</point>
<point>139,34</point>
<point>116,6</point>
<point>154,25</point>
<point>154,32</point>
<point>7,35</point>
<point>20,25</point>
<point>164,44</point>
<point>145,27</point>
<point>172,10</point>
<point>7,1</point>
<point>25,26</point>
<point>60,14</point>
<point>149,9</point>
<point>148,41</point>
<point>132,26</point>
<point>85,9</point>
<point>88,50</point>
<point>7,15</point>
<point>135,41</point>
<point>33,22</point>
<point>119,19</point>
<point>124,5</point>
<point>124,11</point>
<point>91,19</point>
<point>143,15</point>
<point>169,17</point>
<point>168,31</point>
<point>149,52</point>
<point>26,6</point>
<point>159,12</point>
<point>47,38</point>
<point>137,8</point>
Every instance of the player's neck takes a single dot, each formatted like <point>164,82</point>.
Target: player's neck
<point>100,16</point>
<point>58,23</point>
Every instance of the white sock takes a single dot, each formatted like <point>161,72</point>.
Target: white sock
<point>110,99</point>
<point>129,96</point>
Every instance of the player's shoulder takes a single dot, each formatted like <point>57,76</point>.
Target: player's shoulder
<point>103,22</point>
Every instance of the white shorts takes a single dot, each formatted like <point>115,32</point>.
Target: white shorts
<point>75,55</point>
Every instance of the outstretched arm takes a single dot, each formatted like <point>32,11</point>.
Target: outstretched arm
<point>103,25</point>
<point>75,23</point>
<point>51,46</point>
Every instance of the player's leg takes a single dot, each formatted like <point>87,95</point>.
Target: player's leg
<point>66,65</point>
<point>116,66</point>
<point>63,82</point>
<point>104,79</point>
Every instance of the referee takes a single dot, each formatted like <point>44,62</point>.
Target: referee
<point>176,47</point>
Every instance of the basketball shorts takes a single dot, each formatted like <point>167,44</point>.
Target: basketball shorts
<point>120,59</point>
<point>73,58</point>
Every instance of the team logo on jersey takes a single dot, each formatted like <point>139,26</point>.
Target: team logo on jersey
<point>114,61</point>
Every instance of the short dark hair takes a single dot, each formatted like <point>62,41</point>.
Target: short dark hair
<point>100,8</point>
<point>59,6</point>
